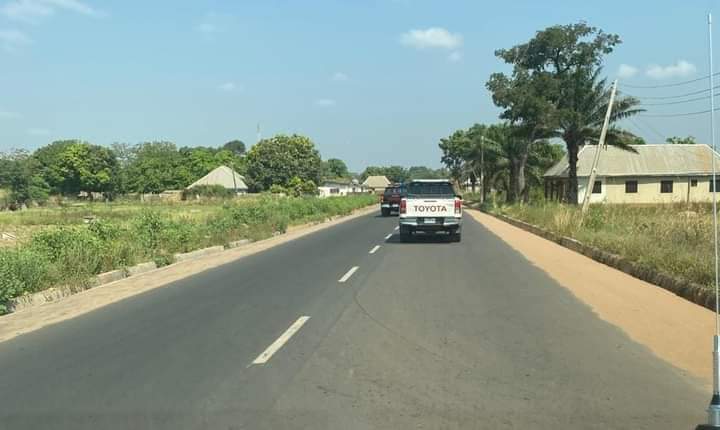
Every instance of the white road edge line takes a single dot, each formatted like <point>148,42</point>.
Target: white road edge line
<point>282,340</point>
<point>388,236</point>
<point>374,250</point>
<point>348,274</point>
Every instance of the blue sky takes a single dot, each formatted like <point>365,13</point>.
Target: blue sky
<point>371,82</point>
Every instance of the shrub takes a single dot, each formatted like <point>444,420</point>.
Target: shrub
<point>211,191</point>
<point>22,271</point>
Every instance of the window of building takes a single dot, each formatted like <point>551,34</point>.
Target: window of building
<point>693,182</point>
<point>631,186</point>
<point>666,186</point>
<point>717,181</point>
<point>597,187</point>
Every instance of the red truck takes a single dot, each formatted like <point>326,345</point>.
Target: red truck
<point>390,199</point>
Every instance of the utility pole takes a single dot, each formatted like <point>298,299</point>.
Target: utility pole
<point>714,408</point>
<point>482,169</point>
<point>601,143</point>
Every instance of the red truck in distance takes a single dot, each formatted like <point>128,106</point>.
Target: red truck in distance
<point>390,199</point>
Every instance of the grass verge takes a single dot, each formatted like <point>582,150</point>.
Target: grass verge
<point>70,252</point>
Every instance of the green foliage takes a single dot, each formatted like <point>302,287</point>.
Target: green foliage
<point>237,147</point>
<point>71,166</point>
<point>281,158</point>
<point>18,171</point>
<point>277,189</point>
<point>211,191</point>
<point>297,187</point>
<point>156,167</point>
<point>676,140</point>
<point>22,270</point>
<point>555,89</point>
<point>73,254</point>
<point>334,168</point>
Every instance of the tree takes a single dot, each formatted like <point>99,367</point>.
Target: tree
<point>156,167</point>
<point>279,159</point>
<point>236,146</point>
<point>423,172</point>
<point>72,166</point>
<point>675,140</point>
<point>560,66</point>
<point>456,150</point>
<point>20,173</point>
<point>335,168</point>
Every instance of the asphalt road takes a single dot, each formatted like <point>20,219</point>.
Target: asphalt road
<point>424,335</point>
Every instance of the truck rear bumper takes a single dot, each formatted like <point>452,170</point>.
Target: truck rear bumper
<point>415,224</point>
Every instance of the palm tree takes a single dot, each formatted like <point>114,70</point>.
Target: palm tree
<point>582,106</point>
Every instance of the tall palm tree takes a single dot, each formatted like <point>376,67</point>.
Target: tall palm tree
<point>582,105</point>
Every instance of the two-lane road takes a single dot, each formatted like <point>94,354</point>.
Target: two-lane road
<point>347,328</point>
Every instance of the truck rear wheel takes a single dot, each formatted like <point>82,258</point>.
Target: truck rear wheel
<point>405,234</point>
<point>455,237</point>
<point>385,212</point>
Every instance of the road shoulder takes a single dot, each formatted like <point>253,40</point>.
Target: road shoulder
<point>674,329</point>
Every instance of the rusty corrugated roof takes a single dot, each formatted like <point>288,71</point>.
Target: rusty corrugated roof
<point>649,160</point>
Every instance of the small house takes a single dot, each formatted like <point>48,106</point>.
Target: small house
<point>339,187</point>
<point>376,184</point>
<point>662,173</point>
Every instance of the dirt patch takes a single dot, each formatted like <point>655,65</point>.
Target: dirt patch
<point>675,330</point>
<point>37,317</point>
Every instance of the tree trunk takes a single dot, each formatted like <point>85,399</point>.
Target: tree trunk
<point>521,183</point>
<point>571,192</point>
<point>513,192</point>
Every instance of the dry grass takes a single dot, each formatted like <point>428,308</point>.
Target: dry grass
<point>673,238</point>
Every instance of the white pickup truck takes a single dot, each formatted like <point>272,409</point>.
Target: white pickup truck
<point>430,206</point>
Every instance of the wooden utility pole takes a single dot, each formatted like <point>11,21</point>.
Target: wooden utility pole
<point>600,144</point>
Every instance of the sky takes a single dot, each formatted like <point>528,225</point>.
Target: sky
<point>373,82</point>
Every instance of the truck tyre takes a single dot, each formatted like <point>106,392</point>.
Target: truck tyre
<point>385,212</point>
<point>456,237</point>
<point>405,234</point>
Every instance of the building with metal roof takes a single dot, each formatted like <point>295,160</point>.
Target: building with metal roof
<point>661,173</point>
<point>225,177</point>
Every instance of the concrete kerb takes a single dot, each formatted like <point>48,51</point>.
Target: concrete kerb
<point>198,253</point>
<point>688,290</point>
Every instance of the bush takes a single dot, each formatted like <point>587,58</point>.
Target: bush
<point>22,271</point>
<point>71,255</point>
<point>210,191</point>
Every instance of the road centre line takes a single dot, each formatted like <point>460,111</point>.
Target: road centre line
<point>397,228</point>
<point>282,340</point>
<point>388,236</point>
<point>374,250</point>
<point>348,274</point>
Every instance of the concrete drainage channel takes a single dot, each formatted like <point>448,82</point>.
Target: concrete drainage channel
<point>688,290</point>
<point>57,293</point>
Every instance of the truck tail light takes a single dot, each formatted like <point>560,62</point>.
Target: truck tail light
<point>458,206</point>
<point>403,206</point>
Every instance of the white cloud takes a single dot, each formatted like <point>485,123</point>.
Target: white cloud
<point>230,86</point>
<point>325,102</point>
<point>433,37</point>
<point>626,71</point>
<point>11,40</point>
<point>680,69</point>
<point>38,132</point>
<point>33,11</point>
<point>340,77</point>
<point>455,56</point>
<point>9,115</point>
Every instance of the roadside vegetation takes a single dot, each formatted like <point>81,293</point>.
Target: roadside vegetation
<point>68,246</point>
<point>675,239</point>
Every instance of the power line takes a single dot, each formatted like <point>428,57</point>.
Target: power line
<point>677,96</point>
<point>678,101</point>
<point>676,84</point>
<point>670,115</point>
<point>646,127</point>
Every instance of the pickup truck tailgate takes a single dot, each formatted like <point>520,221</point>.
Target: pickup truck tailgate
<point>430,208</point>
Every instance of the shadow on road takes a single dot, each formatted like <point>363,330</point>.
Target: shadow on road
<point>420,238</point>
